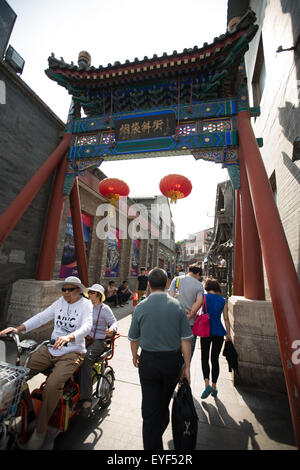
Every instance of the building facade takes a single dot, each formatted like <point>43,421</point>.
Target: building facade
<point>273,73</point>
<point>272,65</point>
<point>194,249</point>
<point>161,247</point>
<point>29,132</point>
<point>223,238</point>
<point>136,237</point>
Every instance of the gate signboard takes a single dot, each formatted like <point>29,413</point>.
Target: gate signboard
<point>145,126</point>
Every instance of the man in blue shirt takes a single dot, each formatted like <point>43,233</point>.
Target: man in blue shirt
<point>161,329</point>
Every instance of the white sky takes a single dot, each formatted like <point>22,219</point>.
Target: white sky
<point>116,30</point>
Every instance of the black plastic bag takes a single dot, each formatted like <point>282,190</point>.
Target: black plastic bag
<point>184,419</point>
<point>231,356</point>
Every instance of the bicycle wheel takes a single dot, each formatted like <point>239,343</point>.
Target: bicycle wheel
<point>95,381</point>
<point>105,387</point>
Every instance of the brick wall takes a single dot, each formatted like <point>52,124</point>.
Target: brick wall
<point>29,132</point>
<point>279,122</point>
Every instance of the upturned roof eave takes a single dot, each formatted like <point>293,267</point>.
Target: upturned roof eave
<point>196,57</point>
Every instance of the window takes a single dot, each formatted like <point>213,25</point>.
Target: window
<point>259,75</point>
<point>221,201</point>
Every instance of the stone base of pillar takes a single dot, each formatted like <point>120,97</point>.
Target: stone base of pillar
<point>29,297</point>
<point>255,340</point>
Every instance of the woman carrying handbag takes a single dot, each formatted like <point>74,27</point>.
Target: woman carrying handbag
<point>213,304</point>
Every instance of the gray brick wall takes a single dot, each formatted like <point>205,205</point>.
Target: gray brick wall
<point>279,122</point>
<point>29,132</point>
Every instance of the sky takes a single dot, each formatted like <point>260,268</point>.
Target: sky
<point>117,30</point>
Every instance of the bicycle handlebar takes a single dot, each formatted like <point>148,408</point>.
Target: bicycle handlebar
<point>52,341</point>
<point>13,336</point>
<point>16,338</point>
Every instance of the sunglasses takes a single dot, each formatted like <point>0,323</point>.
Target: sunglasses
<point>68,289</point>
<point>91,292</point>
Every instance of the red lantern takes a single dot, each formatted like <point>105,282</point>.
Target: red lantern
<point>175,187</point>
<point>113,188</point>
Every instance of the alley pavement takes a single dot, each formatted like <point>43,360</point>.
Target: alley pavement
<point>238,419</point>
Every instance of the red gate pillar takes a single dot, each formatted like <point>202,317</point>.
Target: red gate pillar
<point>14,212</point>
<point>252,259</point>
<point>238,282</point>
<point>78,234</point>
<point>49,245</point>
<point>282,276</point>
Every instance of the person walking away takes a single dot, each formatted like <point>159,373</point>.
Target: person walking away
<point>189,291</point>
<point>216,305</point>
<point>72,315</point>
<point>104,325</point>
<point>141,284</point>
<point>161,329</point>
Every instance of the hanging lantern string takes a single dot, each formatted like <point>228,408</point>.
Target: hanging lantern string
<point>111,107</point>
<point>178,111</point>
<point>103,103</point>
<point>191,95</point>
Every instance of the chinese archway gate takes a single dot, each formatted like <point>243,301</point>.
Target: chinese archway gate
<point>193,102</point>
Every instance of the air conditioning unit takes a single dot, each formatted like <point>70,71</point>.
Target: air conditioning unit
<point>14,60</point>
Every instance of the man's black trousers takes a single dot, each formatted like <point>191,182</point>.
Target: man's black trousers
<point>159,373</point>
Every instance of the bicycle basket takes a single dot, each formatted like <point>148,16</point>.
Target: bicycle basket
<point>12,379</point>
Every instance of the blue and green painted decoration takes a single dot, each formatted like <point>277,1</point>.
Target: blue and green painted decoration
<point>204,88</point>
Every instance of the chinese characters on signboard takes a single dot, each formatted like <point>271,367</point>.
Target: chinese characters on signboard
<point>145,127</point>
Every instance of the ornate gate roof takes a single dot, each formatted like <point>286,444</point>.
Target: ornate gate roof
<point>196,93</point>
<point>207,72</point>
